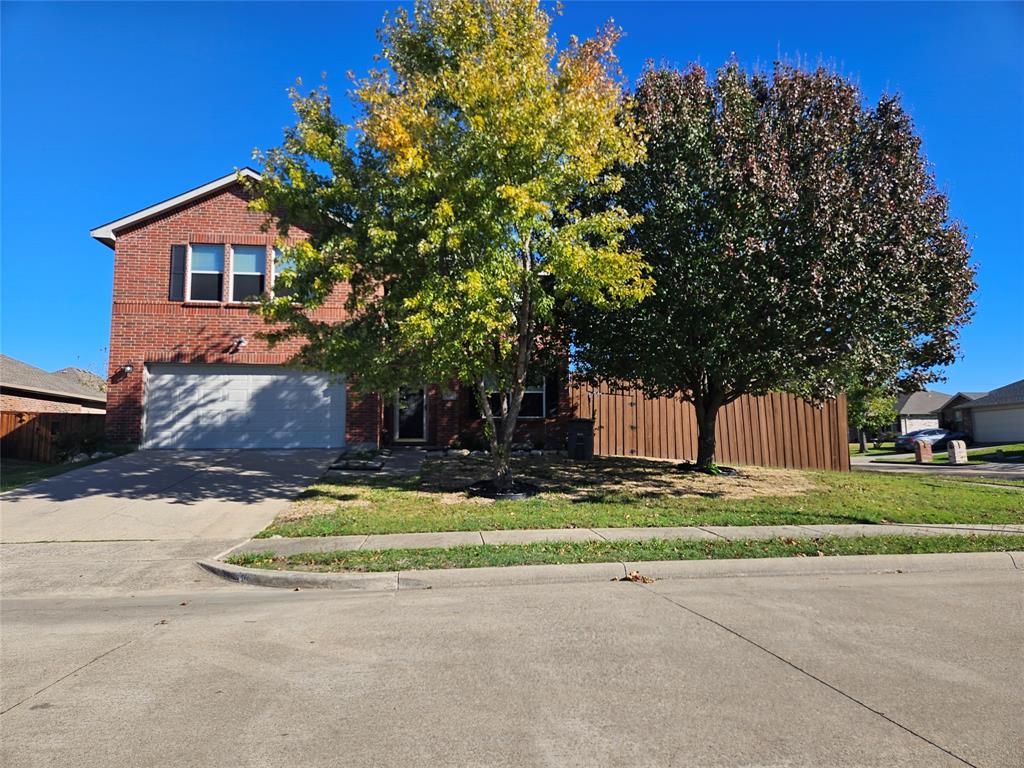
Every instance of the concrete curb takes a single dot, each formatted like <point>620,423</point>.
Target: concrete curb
<point>839,565</point>
<point>446,539</point>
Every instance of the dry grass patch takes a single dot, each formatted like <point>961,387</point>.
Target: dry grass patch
<point>623,492</point>
<point>608,477</point>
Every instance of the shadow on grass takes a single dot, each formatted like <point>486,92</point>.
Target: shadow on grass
<point>602,480</point>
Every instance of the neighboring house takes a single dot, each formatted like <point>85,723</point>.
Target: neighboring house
<point>955,418</point>
<point>919,410</point>
<point>998,417</point>
<point>25,388</point>
<point>189,370</point>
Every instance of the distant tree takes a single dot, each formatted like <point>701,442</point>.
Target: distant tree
<point>795,235</point>
<point>870,409</point>
<point>472,199</point>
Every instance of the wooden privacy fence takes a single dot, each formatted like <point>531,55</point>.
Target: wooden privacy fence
<point>42,436</point>
<point>776,430</point>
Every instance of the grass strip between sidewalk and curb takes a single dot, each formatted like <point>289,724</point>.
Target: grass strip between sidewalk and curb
<point>547,553</point>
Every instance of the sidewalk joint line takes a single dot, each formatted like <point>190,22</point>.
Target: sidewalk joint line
<point>811,675</point>
<point>69,674</point>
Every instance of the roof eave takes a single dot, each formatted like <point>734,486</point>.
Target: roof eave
<point>54,393</point>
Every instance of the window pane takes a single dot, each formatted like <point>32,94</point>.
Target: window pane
<point>248,258</point>
<point>207,258</point>
<point>206,287</point>
<point>281,263</point>
<point>533,406</point>
<point>246,287</point>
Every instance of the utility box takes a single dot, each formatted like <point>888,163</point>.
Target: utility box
<point>581,439</point>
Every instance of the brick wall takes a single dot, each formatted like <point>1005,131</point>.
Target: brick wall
<point>146,327</point>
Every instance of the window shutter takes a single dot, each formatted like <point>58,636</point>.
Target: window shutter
<point>176,292</point>
<point>552,389</point>
<point>472,409</point>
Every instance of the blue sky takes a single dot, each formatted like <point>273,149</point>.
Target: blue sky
<point>108,108</point>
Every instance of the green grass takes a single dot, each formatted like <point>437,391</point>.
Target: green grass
<point>974,455</point>
<point>483,555</point>
<point>15,473</point>
<point>887,449</point>
<point>633,492</point>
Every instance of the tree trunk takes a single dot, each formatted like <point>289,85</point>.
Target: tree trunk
<point>499,430</point>
<point>862,434</point>
<point>707,417</point>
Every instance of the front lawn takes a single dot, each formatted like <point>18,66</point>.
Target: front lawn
<point>622,492</point>
<point>886,449</point>
<point>975,455</point>
<point>483,555</point>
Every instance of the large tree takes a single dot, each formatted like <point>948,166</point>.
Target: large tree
<point>462,210</point>
<point>795,234</point>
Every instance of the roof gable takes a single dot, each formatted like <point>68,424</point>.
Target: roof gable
<point>107,233</point>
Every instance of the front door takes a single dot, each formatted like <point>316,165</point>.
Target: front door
<point>411,415</point>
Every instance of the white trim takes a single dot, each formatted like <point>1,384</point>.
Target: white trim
<point>542,390</point>
<point>274,251</point>
<point>189,272</point>
<point>231,276</point>
<point>107,233</point>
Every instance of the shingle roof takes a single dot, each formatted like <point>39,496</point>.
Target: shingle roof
<point>69,382</point>
<point>1011,394</point>
<point>921,402</point>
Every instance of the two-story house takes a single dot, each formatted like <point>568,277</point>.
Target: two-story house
<point>188,369</point>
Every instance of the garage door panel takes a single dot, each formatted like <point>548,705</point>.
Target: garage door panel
<point>242,406</point>
<point>999,424</point>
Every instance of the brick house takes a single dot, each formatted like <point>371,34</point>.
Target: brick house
<point>27,389</point>
<point>187,369</point>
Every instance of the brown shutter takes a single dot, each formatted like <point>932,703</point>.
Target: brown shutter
<point>176,292</point>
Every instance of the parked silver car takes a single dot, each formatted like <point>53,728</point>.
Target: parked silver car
<point>938,438</point>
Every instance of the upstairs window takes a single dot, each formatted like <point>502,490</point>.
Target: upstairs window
<point>281,263</point>
<point>248,272</point>
<point>206,278</point>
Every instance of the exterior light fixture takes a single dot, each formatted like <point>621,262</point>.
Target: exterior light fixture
<point>127,368</point>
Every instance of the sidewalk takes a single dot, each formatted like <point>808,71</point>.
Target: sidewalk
<point>991,470</point>
<point>286,546</point>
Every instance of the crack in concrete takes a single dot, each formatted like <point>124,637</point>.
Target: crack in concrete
<point>69,674</point>
<point>805,672</point>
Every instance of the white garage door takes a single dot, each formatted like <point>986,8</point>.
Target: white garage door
<point>997,425</point>
<point>242,406</point>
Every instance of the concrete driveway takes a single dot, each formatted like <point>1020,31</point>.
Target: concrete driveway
<point>161,496</point>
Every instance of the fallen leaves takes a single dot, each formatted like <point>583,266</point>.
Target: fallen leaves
<point>637,578</point>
